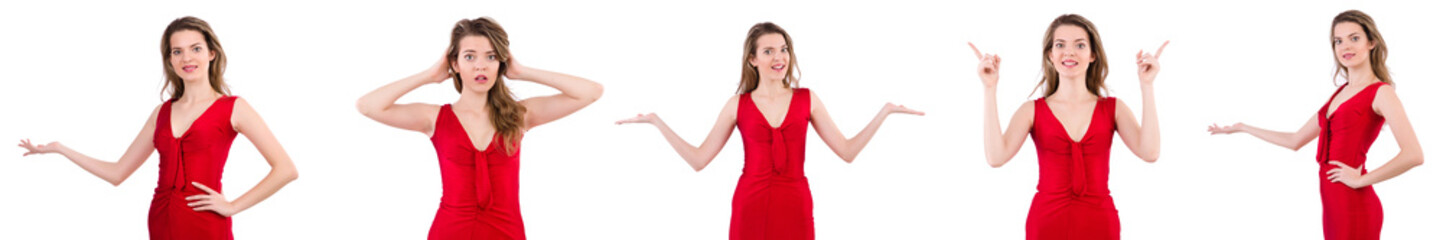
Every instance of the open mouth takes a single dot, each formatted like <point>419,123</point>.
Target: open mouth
<point>1348,56</point>
<point>189,68</point>
<point>779,67</point>
<point>481,79</point>
<point>1069,63</point>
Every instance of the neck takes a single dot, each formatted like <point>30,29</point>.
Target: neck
<point>1072,88</point>
<point>1361,75</point>
<point>198,91</point>
<point>471,100</point>
<point>770,87</point>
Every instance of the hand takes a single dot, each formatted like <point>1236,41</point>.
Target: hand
<point>1346,175</point>
<point>640,118</point>
<point>514,69</point>
<point>894,108</point>
<point>211,201</point>
<point>1147,65</point>
<point>987,66</point>
<point>1230,129</point>
<point>52,147</point>
<point>439,72</point>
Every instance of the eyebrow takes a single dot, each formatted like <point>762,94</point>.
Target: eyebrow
<point>1064,40</point>
<point>192,45</point>
<point>1351,34</point>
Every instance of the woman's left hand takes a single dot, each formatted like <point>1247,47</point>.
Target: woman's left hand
<point>1347,175</point>
<point>514,69</point>
<point>894,108</point>
<point>211,201</point>
<point>1147,65</point>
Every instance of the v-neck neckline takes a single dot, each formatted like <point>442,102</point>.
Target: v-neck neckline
<point>171,115</point>
<point>785,116</point>
<point>1092,117</point>
<point>1329,110</point>
<point>469,142</point>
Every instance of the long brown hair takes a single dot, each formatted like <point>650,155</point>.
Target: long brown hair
<point>507,115</point>
<point>1377,57</point>
<point>1096,71</point>
<point>750,76</point>
<point>173,83</point>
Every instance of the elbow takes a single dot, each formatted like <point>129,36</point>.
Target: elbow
<point>1150,157</point>
<point>995,163</point>
<point>115,183</point>
<point>1417,159</point>
<point>849,159</point>
<point>363,108</point>
<point>595,93</point>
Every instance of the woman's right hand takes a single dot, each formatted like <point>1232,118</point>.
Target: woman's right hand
<point>987,66</point>
<point>439,72</point>
<point>52,147</point>
<point>650,118</point>
<point>1229,129</point>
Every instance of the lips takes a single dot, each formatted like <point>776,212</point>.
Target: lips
<point>779,67</point>
<point>189,68</point>
<point>1349,56</point>
<point>481,79</point>
<point>1069,63</point>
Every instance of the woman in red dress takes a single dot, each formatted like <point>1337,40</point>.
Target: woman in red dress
<point>1072,126</point>
<point>192,131</point>
<point>1346,127</point>
<point>772,199</point>
<point>478,137</point>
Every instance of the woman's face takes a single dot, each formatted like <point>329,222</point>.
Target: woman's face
<point>1071,51</point>
<point>477,64</point>
<point>772,56</point>
<point>1351,45</point>
<point>190,56</point>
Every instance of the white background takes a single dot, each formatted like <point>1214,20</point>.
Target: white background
<point>87,73</point>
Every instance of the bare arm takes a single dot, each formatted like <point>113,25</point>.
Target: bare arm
<point>1291,140</point>
<point>1145,140</point>
<point>248,122</point>
<point>848,148</point>
<point>112,172</point>
<point>999,147</point>
<point>1410,152</point>
<point>697,157</point>
<point>576,93</point>
<point>380,104</point>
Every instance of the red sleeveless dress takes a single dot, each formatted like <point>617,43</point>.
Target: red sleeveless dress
<point>1072,200</point>
<point>772,200</point>
<point>479,187</point>
<point>198,155</point>
<point>1345,137</point>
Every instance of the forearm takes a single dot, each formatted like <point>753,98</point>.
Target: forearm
<point>381,98</point>
<point>1397,166</point>
<point>273,182</point>
<point>108,171</point>
<point>856,143</point>
<point>570,86</point>
<point>1284,139</point>
<point>991,128</point>
<point>1151,137</point>
<point>686,150</point>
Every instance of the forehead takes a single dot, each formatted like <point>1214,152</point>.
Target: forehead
<point>185,38</point>
<point>475,43</point>
<point>1346,28</point>
<point>771,40</point>
<point>1069,33</point>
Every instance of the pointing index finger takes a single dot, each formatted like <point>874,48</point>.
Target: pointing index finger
<point>1159,49</point>
<point>974,50</point>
